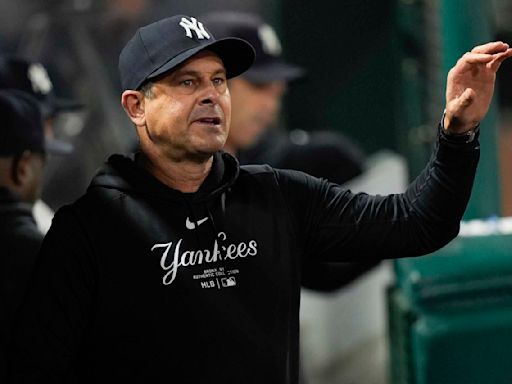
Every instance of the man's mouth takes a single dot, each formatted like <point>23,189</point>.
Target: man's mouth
<point>209,120</point>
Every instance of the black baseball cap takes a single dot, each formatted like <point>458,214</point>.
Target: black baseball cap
<point>22,126</point>
<point>32,77</point>
<point>163,45</point>
<point>269,64</point>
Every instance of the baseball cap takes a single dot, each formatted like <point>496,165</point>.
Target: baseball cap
<point>22,126</point>
<point>32,77</point>
<point>269,64</point>
<point>163,45</point>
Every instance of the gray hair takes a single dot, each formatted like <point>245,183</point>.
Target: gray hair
<point>147,89</point>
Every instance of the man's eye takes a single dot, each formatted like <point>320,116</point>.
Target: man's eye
<point>187,83</point>
<point>219,81</point>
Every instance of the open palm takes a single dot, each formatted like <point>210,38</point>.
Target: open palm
<point>470,85</point>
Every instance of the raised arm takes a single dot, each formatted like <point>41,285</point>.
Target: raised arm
<point>337,225</point>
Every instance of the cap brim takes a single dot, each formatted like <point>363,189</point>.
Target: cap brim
<point>236,54</point>
<point>274,71</point>
<point>57,147</point>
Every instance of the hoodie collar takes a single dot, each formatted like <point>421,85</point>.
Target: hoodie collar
<point>215,176</point>
<point>122,173</point>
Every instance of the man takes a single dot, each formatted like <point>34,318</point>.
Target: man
<point>178,265</point>
<point>33,78</point>
<point>22,158</point>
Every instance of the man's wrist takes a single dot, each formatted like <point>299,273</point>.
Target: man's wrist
<point>465,137</point>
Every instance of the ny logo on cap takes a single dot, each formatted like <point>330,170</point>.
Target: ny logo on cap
<point>269,40</point>
<point>194,25</point>
<point>39,79</point>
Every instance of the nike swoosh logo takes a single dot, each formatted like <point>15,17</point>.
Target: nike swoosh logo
<point>191,225</point>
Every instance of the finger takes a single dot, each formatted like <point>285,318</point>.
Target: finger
<point>475,58</point>
<point>493,47</point>
<point>500,58</point>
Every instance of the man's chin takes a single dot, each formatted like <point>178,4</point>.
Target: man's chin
<point>207,150</point>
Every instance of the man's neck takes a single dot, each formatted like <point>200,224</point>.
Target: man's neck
<point>184,175</point>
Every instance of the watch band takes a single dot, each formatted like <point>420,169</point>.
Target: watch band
<point>455,137</point>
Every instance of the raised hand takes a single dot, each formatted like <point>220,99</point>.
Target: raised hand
<point>470,86</point>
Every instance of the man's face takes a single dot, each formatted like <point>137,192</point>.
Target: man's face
<point>190,110</point>
<point>255,108</point>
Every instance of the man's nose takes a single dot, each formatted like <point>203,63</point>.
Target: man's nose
<point>209,94</point>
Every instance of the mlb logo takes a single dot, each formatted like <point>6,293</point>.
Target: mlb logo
<point>228,281</point>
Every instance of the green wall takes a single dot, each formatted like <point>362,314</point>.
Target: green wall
<point>348,49</point>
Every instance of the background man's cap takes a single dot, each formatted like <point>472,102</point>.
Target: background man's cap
<point>163,45</point>
<point>22,126</point>
<point>269,64</point>
<point>33,78</point>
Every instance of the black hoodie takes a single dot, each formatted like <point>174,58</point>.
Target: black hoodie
<point>141,283</point>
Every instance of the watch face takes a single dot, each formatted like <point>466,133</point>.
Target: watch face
<point>470,135</point>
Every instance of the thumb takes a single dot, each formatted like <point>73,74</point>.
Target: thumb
<point>465,99</point>
<point>455,113</point>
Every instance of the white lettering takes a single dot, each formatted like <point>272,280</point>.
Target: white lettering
<point>253,245</point>
<point>194,25</point>
<point>241,250</point>
<point>207,284</point>
<point>189,258</point>
<point>230,252</point>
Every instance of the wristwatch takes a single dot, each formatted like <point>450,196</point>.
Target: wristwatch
<point>456,137</point>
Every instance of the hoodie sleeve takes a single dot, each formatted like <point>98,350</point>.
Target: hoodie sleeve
<point>338,225</point>
<point>56,310</point>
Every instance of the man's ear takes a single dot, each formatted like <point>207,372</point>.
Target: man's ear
<point>21,171</point>
<point>133,104</point>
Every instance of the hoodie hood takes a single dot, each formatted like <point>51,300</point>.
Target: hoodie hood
<point>122,173</point>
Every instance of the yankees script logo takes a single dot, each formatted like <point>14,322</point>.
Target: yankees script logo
<point>173,258</point>
<point>194,25</point>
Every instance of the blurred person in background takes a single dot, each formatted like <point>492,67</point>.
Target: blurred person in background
<point>79,42</point>
<point>33,78</point>
<point>23,149</point>
<point>257,94</point>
